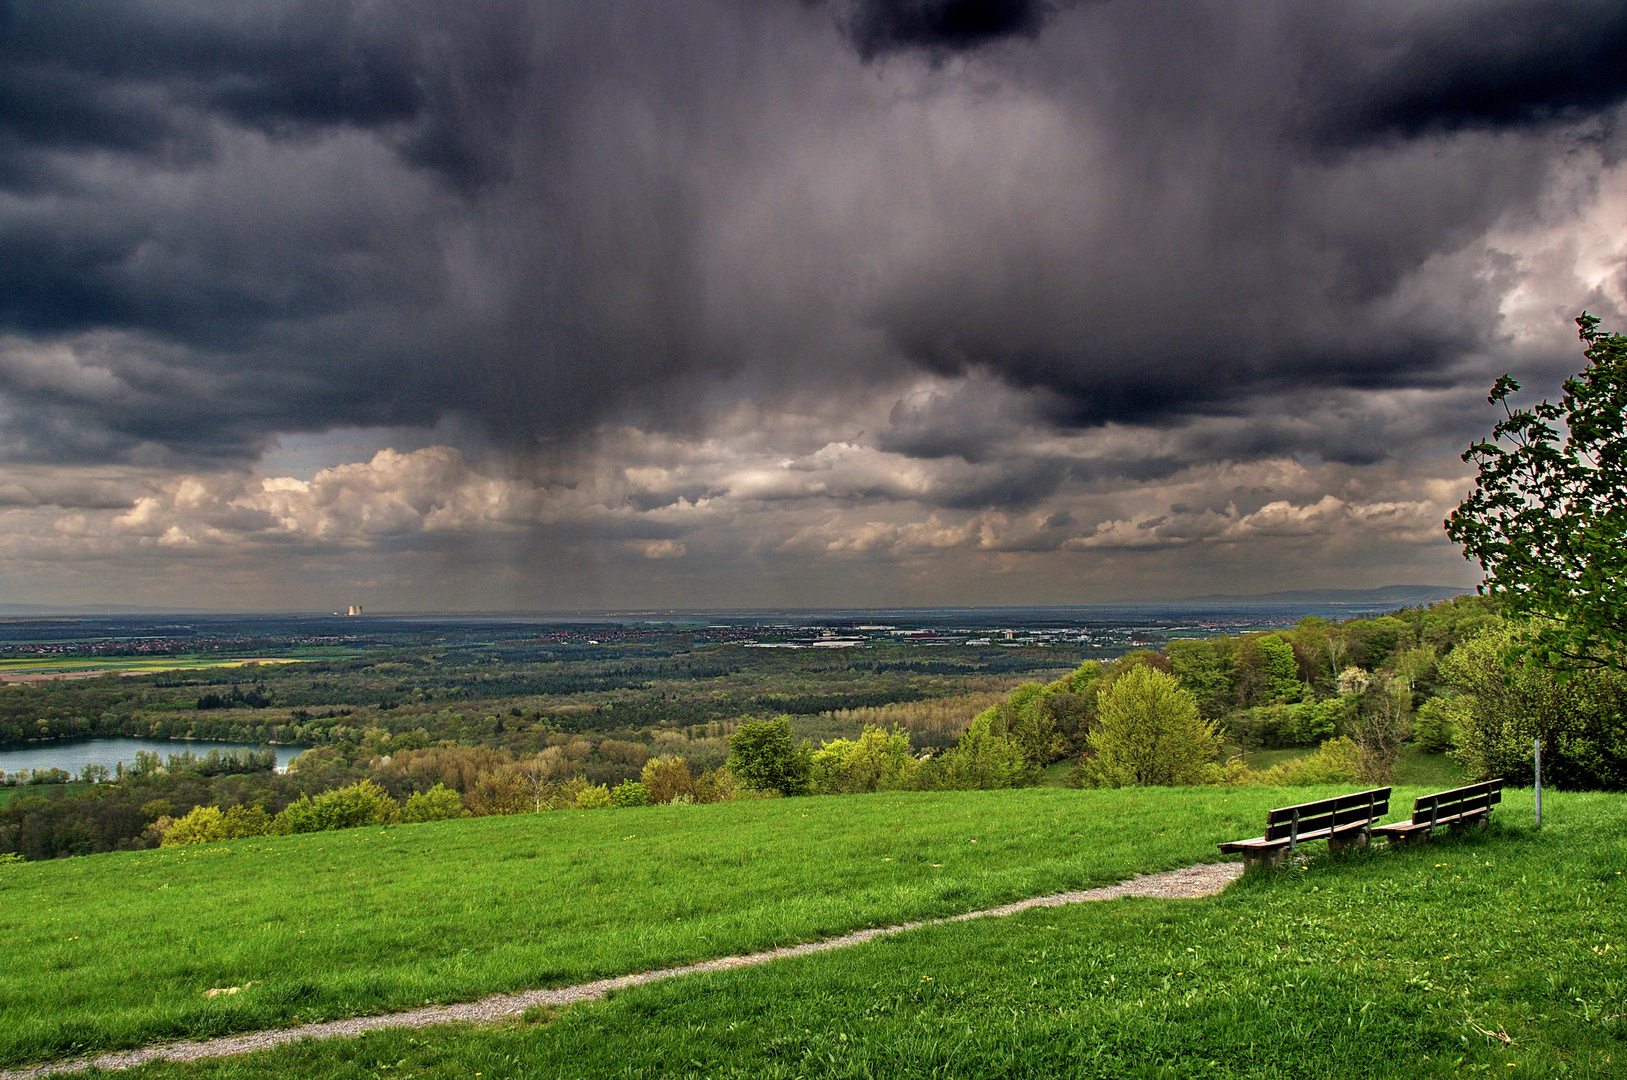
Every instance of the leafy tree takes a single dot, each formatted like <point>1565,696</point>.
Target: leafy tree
<point>1266,671</point>
<point>1581,720</point>
<point>876,761</point>
<point>1435,724</point>
<point>1547,519</point>
<point>765,755</point>
<point>1149,732</point>
<point>1204,673</point>
<point>244,821</point>
<point>1373,641</point>
<point>1031,722</point>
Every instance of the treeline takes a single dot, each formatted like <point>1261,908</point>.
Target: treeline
<point>1440,678</point>
<point>134,808</point>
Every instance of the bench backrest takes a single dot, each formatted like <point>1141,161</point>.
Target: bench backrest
<point>1344,811</point>
<point>1459,802</point>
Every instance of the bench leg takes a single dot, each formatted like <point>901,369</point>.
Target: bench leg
<point>1476,823</point>
<point>1346,841</point>
<point>1408,839</point>
<point>1263,857</point>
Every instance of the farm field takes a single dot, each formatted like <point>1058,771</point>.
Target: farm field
<point>1492,954</point>
<point>43,669</point>
<point>123,946</point>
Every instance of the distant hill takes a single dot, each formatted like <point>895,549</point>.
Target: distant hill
<point>1391,596</point>
<point>86,609</point>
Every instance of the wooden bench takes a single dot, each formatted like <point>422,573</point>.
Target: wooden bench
<point>1460,808</point>
<point>1343,821</point>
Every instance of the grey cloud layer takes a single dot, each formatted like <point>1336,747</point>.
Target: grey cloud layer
<point>541,217</point>
<point>1002,276</point>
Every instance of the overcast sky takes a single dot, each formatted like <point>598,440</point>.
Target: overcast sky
<point>717,303</point>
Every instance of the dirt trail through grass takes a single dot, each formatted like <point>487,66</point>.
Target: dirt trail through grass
<point>1193,881</point>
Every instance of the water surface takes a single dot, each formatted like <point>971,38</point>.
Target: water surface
<point>75,754</point>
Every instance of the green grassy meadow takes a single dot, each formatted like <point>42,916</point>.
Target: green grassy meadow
<point>1410,963</point>
<point>1356,965</point>
<point>123,946</point>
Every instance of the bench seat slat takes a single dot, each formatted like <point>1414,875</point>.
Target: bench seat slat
<point>1429,812</point>
<point>1325,819</point>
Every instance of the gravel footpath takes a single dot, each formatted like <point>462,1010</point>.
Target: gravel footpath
<point>1203,880</point>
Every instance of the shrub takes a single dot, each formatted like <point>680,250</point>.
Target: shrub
<point>1337,762</point>
<point>596,797</point>
<point>1149,732</point>
<point>243,821</point>
<point>200,825</point>
<point>667,779</point>
<point>765,755</point>
<point>630,793</point>
<point>361,803</point>
<point>439,803</point>
<point>875,761</point>
<point>716,785</point>
<point>982,758</point>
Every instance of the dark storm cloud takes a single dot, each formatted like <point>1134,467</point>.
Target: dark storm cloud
<point>1457,66</point>
<point>529,219</point>
<point>139,78</point>
<point>877,27</point>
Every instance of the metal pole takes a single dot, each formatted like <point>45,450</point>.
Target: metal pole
<point>1536,745</point>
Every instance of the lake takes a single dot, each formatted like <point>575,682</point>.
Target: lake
<point>75,754</point>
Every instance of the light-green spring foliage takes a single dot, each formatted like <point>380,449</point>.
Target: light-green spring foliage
<point>439,803</point>
<point>1281,669</point>
<point>1276,727</point>
<point>876,761</point>
<point>984,757</point>
<point>596,797</point>
<point>1337,762</point>
<point>206,824</point>
<point>362,803</point>
<point>1148,731</point>
<point>628,793</point>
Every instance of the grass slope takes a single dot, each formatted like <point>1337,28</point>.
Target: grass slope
<point>1379,964</point>
<point>120,948</point>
